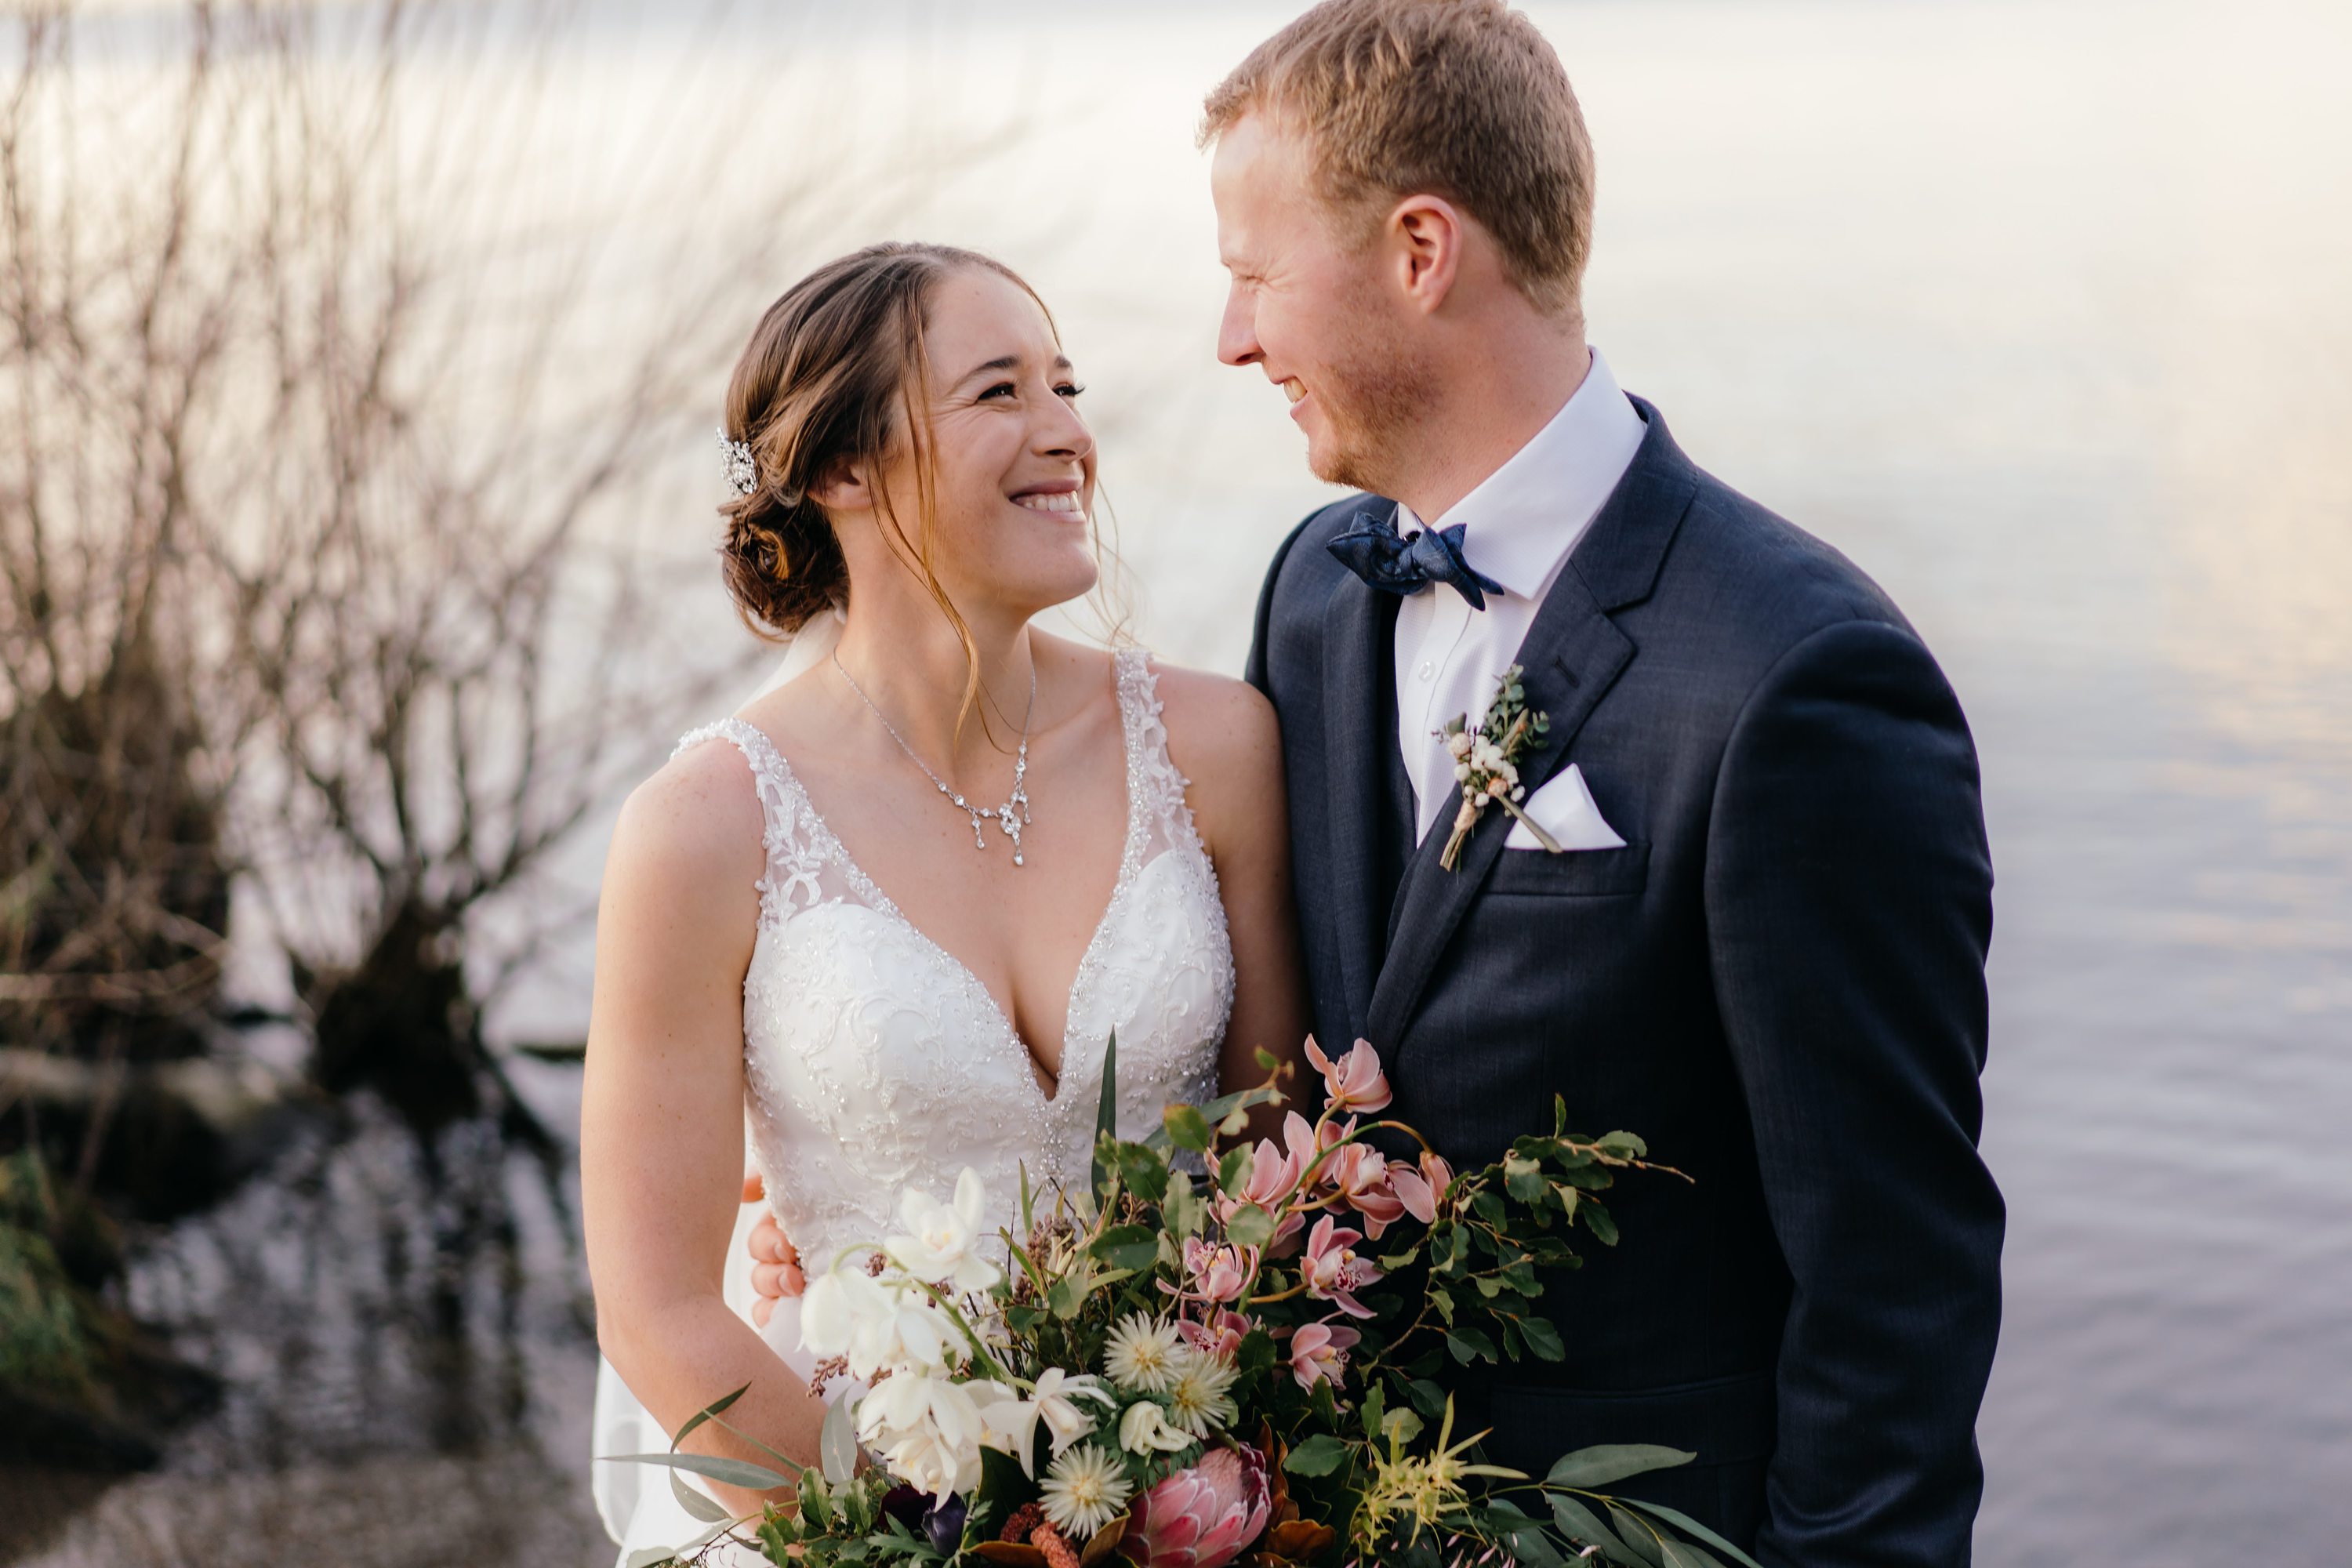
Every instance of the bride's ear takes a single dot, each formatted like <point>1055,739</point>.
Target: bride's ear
<point>842,490</point>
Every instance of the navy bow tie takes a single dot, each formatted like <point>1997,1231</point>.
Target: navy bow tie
<point>1373,551</point>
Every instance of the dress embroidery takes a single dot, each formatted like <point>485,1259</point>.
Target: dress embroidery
<point>874,1060</point>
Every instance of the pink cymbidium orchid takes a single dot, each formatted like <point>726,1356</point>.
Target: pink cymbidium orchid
<point>1220,1335</point>
<point>1217,1274</point>
<point>1333,1272</point>
<point>1272,1181</point>
<point>1358,1175</point>
<point>1355,1081</point>
<point>1318,1352</point>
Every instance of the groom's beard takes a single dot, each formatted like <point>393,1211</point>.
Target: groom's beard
<point>1372,400</point>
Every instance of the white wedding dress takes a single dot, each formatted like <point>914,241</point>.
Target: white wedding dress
<point>874,1061</point>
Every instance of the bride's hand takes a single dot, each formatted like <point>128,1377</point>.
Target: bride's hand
<point>775,1261</point>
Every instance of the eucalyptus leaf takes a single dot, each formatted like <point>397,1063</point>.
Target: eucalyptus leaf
<point>1690,1526</point>
<point>1580,1523</point>
<point>1606,1462</point>
<point>734,1472</point>
<point>1685,1555</point>
<point>1638,1537</point>
<point>1533,1547</point>
<point>715,1407</point>
<point>837,1443</point>
<point>695,1503</point>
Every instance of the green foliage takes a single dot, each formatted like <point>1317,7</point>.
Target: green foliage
<point>54,1335</point>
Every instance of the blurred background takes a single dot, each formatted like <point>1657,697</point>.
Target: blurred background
<point>358,364</point>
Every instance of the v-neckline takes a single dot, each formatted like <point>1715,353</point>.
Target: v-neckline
<point>1128,858</point>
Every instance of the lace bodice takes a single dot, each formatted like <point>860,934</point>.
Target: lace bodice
<point>874,1060</point>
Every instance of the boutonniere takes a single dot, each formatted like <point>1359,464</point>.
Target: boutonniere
<point>1486,761</point>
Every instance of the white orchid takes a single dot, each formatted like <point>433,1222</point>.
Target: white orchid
<point>1054,1401</point>
<point>927,1429</point>
<point>939,1248</point>
<point>874,1323</point>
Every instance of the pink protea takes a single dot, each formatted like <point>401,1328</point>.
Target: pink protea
<point>1204,1517</point>
<point>1355,1081</point>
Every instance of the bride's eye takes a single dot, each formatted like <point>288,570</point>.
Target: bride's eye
<point>1069,389</point>
<point>1004,386</point>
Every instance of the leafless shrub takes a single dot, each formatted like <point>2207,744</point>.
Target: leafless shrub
<point>344,399</point>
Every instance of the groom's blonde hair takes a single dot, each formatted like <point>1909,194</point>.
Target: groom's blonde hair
<point>1459,99</point>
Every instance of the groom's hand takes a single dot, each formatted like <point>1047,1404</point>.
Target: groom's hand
<point>775,1261</point>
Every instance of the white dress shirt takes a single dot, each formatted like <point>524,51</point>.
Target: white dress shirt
<point>1522,522</point>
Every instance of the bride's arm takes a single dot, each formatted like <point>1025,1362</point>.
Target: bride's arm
<point>1222,736</point>
<point>661,1142</point>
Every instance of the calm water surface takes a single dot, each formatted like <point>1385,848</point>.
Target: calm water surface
<point>2039,313</point>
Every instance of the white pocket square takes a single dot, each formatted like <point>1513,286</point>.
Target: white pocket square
<point>1564,809</point>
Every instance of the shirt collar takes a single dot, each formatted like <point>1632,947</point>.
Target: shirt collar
<point>1522,519</point>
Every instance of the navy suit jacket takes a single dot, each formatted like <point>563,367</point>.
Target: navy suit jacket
<point>1778,982</point>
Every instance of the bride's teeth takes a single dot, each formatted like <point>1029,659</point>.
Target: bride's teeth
<point>1065,501</point>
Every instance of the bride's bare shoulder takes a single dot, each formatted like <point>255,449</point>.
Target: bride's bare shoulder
<point>696,822</point>
<point>1224,737</point>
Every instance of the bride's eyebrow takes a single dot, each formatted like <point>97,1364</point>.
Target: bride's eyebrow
<point>1008,362</point>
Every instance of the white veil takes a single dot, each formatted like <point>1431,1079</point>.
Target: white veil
<point>636,1501</point>
<point>808,648</point>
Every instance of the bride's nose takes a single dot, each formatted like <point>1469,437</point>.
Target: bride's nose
<point>1063,434</point>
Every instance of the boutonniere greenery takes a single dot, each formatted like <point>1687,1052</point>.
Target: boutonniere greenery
<point>1486,761</point>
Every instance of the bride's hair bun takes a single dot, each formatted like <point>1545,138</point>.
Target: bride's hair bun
<point>818,392</point>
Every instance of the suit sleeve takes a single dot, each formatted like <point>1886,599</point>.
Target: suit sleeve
<point>1849,903</point>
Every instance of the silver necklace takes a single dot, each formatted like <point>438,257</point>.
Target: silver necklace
<point>1014,814</point>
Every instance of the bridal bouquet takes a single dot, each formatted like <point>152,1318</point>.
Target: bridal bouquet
<point>1221,1353</point>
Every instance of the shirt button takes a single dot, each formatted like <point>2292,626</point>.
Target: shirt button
<point>1426,669</point>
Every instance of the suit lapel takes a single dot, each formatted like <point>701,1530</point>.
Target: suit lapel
<point>1359,732</point>
<point>1572,653</point>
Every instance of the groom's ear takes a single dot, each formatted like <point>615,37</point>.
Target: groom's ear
<point>1424,236</point>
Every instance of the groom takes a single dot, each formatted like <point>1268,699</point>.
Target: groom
<point>1761,945</point>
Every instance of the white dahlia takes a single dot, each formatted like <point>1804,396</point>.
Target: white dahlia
<point>1142,1355</point>
<point>1083,1490</point>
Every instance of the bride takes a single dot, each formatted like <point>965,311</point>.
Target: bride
<point>881,921</point>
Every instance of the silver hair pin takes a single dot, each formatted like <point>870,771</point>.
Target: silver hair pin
<point>742,473</point>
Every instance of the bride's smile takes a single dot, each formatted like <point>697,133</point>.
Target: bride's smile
<point>889,924</point>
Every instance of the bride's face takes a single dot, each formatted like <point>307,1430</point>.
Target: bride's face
<point>1012,463</point>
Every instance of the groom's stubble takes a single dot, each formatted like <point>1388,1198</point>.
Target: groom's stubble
<point>1375,388</point>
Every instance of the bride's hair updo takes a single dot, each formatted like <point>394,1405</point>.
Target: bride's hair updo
<point>831,370</point>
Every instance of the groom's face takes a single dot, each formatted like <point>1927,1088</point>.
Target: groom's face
<point>1308,305</point>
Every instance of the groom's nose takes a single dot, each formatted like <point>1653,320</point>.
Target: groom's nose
<point>1237,342</point>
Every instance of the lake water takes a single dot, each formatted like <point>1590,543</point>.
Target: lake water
<point>2038,312</point>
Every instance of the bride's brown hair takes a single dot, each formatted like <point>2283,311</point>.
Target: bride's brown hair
<point>834,371</point>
